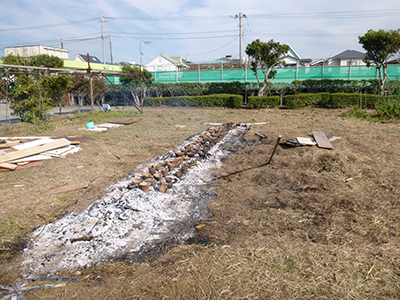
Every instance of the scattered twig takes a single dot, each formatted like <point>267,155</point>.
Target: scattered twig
<point>262,136</point>
<point>58,279</point>
<point>47,286</point>
<point>18,290</point>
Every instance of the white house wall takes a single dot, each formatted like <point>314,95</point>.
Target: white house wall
<point>160,64</point>
<point>29,51</point>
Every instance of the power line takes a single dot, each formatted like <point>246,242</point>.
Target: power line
<point>331,15</point>
<point>172,33</point>
<point>178,38</point>
<point>215,49</point>
<point>48,25</point>
<point>322,15</point>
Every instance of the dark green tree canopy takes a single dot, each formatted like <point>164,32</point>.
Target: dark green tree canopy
<point>14,60</point>
<point>135,71</point>
<point>265,56</point>
<point>37,61</point>
<point>380,45</point>
<point>46,60</point>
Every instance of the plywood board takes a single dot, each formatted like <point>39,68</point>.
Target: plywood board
<point>28,165</point>
<point>109,125</point>
<point>322,140</point>
<point>68,188</point>
<point>60,151</point>
<point>31,158</point>
<point>81,139</point>
<point>306,141</point>
<point>9,144</point>
<point>33,143</point>
<point>99,129</point>
<point>8,166</point>
<point>34,150</point>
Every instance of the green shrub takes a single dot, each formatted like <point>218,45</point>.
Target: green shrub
<point>341,100</point>
<point>302,100</point>
<point>388,110</point>
<point>234,101</point>
<point>325,100</point>
<point>216,100</point>
<point>153,101</point>
<point>263,101</point>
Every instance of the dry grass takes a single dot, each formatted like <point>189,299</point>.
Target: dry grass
<point>315,224</point>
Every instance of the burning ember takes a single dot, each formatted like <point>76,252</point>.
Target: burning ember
<point>128,218</point>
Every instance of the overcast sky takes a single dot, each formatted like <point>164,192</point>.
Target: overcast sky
<point>194,29</point>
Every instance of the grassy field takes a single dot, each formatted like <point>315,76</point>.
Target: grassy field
<point>314,224</point>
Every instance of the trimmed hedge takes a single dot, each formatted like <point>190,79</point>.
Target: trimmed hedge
<point>340,100</point>
<point>337,100</point>
<point>263,102</point>
<point>302,100</point>
<point>216,100</point>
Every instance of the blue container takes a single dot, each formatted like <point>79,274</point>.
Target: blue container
<point>90,125</point>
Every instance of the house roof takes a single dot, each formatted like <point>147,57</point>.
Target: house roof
<point>349,54</point>
<point>126,63</point>
<point>293,53</point>
<point>176,60</point>
<point>92,59</point>
<point>222,60</point>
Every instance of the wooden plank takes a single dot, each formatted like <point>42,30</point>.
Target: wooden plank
<point>306,141</point>
<point>8,166</point>
<point>34,150</point>
<point>68,188</point>
<point>9,144</point>
<point>322,140</point>
<point>80,139</point>
<point>122,122</point>
<point>109,125</point>
<point>33,143</point>
<point>28,165</point>
<point>31,158</point>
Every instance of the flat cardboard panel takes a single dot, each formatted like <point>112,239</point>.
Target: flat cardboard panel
<point>322,140</point>
<point>306,141</point>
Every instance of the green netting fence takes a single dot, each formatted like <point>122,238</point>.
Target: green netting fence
<point>283,74</point>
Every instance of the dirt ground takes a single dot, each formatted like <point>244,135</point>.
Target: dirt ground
<point>313,224</point>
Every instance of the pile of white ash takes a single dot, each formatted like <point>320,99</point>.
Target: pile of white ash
<point>128,218</point>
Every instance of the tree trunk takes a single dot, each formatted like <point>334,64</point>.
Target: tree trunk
<point>261,89</point>
<point>80,100</point>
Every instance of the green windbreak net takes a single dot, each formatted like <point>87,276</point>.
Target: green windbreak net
<point>283,74</point>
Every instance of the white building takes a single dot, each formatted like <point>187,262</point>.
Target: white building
<point>34,50</point>
<point>163,62</point>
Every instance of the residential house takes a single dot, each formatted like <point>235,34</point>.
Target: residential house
<point>163,62</point>
<point>227,62</point>
<point>293,59</point>
<point>345,58</point>
<point>83,58</point>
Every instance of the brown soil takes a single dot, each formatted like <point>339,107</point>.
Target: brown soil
<point>313,224</point>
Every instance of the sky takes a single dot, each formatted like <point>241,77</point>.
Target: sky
<point>196,30</point>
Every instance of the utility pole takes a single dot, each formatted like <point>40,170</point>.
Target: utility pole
<point>240,16</point>
<point>102,20</point>
<point>141,80</point>
<point>112,62</point>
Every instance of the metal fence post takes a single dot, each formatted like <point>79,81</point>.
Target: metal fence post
<point>199,71</point>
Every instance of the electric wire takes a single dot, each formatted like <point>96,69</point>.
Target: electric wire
<point>48,25</point>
